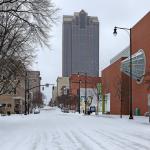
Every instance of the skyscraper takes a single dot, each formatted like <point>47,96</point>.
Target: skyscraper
<point>80,49</point>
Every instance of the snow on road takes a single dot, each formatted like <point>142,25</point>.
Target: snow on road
<point>54,130</point>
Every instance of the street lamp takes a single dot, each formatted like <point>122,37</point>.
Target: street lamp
<point>130,89</point>
<point>79,95</point>
<point>85,74</point>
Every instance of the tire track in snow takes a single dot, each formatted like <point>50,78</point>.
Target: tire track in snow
<point>73,141</point>
<point>80,141</point>
<point>36,142</point>
<point>88,142</point>
<point>18,142</point>
<point>94,140</point>
<point>122,141</point>
<point>140,136</point>
<point>136,144</point>
<point>44,141</point>
<point>68,142</point>
<point>56,139</point>
<point>113,140</point>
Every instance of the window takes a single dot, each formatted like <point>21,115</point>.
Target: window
<point>138,65</point>
<point>9,105</point>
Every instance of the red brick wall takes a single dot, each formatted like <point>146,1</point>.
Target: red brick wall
<point>91,82</point>
<point>110,75</point>
<point>141,40</point>
<point>115,83</point>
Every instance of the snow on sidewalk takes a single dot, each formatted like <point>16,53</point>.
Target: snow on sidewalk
<point>54,130</point>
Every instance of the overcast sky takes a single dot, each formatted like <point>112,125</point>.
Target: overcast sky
<point>122,13</point>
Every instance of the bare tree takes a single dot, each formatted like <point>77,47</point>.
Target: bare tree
<point>95,90</point>
<point>122,86</point>
<point>147,79</point>
<point>23,25</point>
<point>118,91</point>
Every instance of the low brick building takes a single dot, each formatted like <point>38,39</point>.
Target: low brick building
<point>112,75</point>
<point>115,85</point>
<point>141,40</point>
<point>88,89</point>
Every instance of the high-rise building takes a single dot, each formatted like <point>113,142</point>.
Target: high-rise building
<point>80,52</point>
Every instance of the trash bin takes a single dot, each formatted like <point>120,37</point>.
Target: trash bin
<point>137,111</point>
<point>89,112</point>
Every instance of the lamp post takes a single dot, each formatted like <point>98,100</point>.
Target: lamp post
<point>130,89</point>
<point>85,74</point>
<point>79,97</point>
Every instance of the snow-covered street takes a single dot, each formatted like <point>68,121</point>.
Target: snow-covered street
<point>54,130</point>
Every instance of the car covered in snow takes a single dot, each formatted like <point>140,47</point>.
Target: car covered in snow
<point>36,111</point>
<point>65,110</point>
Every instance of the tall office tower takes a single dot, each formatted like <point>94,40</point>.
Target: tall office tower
<point>80,49</point>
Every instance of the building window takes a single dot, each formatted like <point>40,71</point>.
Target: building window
<point>138,65</point>
<point>9,105</point>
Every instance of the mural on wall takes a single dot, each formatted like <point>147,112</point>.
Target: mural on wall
<point>91,94</point>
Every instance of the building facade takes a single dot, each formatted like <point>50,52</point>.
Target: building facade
<point>140,40</point>
<point>62,91</point>
<point>54,95</point>
<point>80,49</point>
<point>34,80</point>
<point>62,83</point>
<point>84,87</point>
<point>115,87</point>
<point>14,102</point>
<point>116,76</point>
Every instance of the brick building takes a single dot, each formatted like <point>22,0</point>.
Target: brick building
<point>115,85</point>
<point>112,75</point>
<point>88,89</point>
<point>141,40</point>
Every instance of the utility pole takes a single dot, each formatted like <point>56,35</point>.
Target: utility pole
<point>85,92</point>
<point>25,93</point>
<point>79,97</point>
<point>28,98</point>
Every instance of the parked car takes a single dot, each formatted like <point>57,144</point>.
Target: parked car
<point>65,110</point>
<point>92,109</point>
<point>36,111</point>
